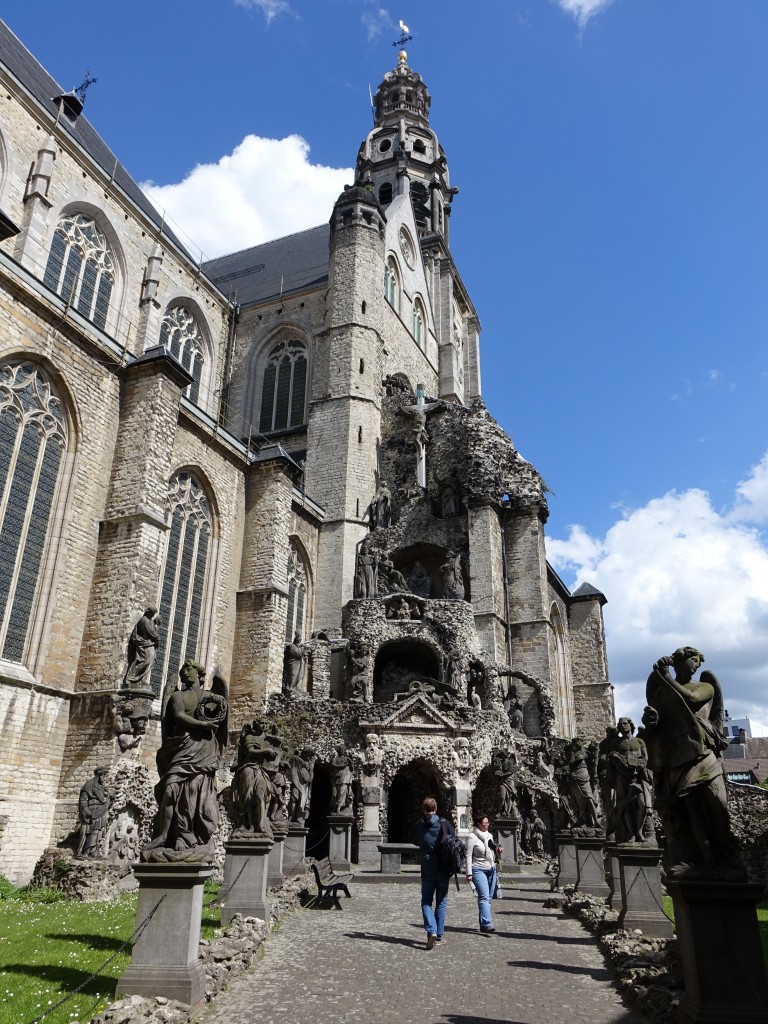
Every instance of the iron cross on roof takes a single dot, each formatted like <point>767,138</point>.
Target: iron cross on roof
<point>404,36</point>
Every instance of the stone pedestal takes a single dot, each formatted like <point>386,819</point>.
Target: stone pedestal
<point>638,889</point>
<point>275,875</point>
<point>566,858</point>
<point>371,836</point>
<point>165,959</point>
<point>340,848</point>
<point>506,837</point>
<point>245,878</point>
<point>612,875</point>
<point>294,847</point>
<point>590,866</point>
<point>720,952</point>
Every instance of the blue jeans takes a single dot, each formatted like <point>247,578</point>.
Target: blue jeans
<point>485,883</point>
<point>434,886</point>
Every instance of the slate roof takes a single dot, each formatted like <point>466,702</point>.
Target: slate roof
<point>254,275</point>
<point>586,590</point>
<point>30,73</point>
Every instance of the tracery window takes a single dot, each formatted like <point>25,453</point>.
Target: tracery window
<point>283,392</point>
<point>80,267</point>
<point>33,441</point>
<point>418,323</point>
<point>180,332</point>
<point>187,554</point>
<point>392,283</point>
<point>295,619</point>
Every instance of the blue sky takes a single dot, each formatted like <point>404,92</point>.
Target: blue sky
<point>611,226</point>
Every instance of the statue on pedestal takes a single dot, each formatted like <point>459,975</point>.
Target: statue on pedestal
<point>194,731</point>
<point>92,808</point>
<point>684,736</point>
<point>252,788</point>
<point>302,770</point>
<point>142,648</point>
<point>505,770</point>
<point>341,781</point>
<point>294,665</point>
<point>580,787</point>
<point>632,791</point>
<point>453,581</point>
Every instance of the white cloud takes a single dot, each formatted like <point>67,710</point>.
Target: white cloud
<point>376,19</point>
<point>269,8</point>
<point>583,10</point>
<point>675,572</point>
<point>264,189</point>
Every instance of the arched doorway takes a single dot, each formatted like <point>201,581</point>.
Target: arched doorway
<point>400,661</point>
<point>411,785</point>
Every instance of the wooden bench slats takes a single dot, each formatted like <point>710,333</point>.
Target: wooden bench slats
<point>329,883</point>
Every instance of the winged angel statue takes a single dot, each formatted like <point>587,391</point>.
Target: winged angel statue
<point>684,736</point>
<point>194,732</point>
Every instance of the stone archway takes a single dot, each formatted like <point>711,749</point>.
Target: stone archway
<point>398,662</point>
<point>411,785</point>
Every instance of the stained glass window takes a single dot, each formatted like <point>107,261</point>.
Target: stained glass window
<point>187,549</point>
<point>33,439</point>
<point>80,267</point>
<point>283,392</point>
<point>295,619</point>
<point>180,333</point>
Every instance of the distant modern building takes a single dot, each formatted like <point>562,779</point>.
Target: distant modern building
<point>287,441</point>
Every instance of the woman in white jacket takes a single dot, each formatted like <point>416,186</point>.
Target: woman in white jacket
<point>481,853</point>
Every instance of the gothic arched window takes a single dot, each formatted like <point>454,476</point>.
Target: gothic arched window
<point>418,323</point>
<point>392,283</point>
<point>80,267</point>
<point>187,554</point>
<point>33,441</point>
<point>295,618</point>
<point>180,333</point>
<point>283,392</point>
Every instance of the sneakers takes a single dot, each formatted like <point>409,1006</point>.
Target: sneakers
<point>431,940</point>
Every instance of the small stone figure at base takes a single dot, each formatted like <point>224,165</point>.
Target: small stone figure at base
<point>683,733</point>
<point>93,807</point>
<point>194,730</point>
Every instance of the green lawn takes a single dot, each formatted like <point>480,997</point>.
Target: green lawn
<point>47,949</point>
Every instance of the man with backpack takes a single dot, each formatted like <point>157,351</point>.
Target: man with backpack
<point>430,835</point>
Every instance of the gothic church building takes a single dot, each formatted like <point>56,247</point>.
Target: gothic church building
<point>290,440</point>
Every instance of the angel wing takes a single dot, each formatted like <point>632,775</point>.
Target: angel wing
<point>716,711</point>
<point>219,687</point>
<point>171,685</point>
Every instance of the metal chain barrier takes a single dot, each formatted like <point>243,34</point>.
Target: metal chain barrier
<point>128,942</point>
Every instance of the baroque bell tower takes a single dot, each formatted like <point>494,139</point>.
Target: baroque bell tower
<point>402,153</point>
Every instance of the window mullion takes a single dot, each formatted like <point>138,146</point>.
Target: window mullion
<point>4,498</point>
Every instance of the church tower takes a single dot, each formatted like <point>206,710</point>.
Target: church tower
<point>402,154</point>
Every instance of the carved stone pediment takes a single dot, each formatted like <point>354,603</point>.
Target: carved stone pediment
<point>418,714</point>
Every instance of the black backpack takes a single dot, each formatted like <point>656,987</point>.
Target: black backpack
<point>450,850</point>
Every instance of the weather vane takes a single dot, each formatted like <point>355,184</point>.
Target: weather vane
<point>404,35</point>
<point>81,90</point>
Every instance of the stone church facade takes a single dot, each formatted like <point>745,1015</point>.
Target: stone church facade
<point>290,440</point>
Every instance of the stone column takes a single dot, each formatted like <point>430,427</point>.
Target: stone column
<point>371,835</point>
<point>566,856</point>
<point>506,837</point>
<point>275,875</point>
<point>340,850</point>
<point>590,865</point>
<point>639,885</point>
<point>245,878</point>
<point>165,960</point>
<point>293,850</point>
<point>720,952</point>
